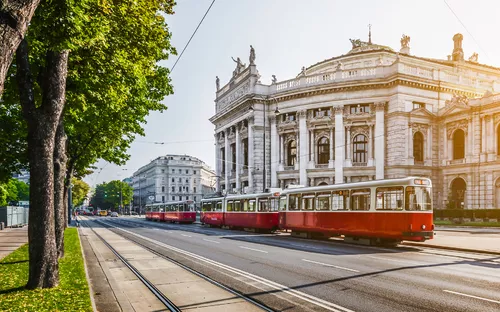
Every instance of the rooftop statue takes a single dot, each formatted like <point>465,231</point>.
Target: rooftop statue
<point>274,80</point>
<point>473,58</point>
<point>252,55</point>
<point>356,43</point>
<point>239,66</point>
<point>405,41</point>
<point>217,82</point>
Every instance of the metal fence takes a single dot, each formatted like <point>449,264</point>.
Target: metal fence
<point>14,216</point>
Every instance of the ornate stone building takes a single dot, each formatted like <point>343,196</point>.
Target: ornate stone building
<point>372,113</point>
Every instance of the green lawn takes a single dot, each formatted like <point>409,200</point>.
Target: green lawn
<point>477,224</point>
<point>72,294</point>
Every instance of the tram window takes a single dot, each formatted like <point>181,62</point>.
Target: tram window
<point>418,198</point>
<point>263,205</point>
<point>206,207</point>
<point>340,200</point>
<point>251,205</point>
<point>237,205</point>
<point>323,201</point>
<point>282,203</point>
<point>294,202</point>
<point>308,202</point>
<point>389,198</point>
<point>229,205</point>
<point>218,206</point>
<point>274,204</point>
<point>191,207</point>
<point>360,199</point>
<point>244,203</point>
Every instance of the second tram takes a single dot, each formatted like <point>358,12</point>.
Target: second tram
<point>179,211</point>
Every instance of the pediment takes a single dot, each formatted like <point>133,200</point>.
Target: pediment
<point>421,112</point>
<point>454,109</point>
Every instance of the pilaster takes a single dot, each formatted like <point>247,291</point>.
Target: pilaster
<point>340,142</point>
<point>303,147</point>
<point>379,140</point>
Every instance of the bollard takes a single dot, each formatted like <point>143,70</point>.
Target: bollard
<point>2,226</point>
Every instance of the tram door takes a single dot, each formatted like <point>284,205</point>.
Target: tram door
<point>282,212</point>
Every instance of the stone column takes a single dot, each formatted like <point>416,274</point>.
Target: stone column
<point>491,138</point>
<point>428,147</point>
<point>331,159</point>
<point>312,150</point>
<point>251,166</point>
<point>340,142</point>
<point>274,151</point>
<point>411,159</point>
<point>217,165</point>
<point>370,146</point>
<point>238,158</point>
<point>349,147</point>
<point>227,157</point>
<point>445,146</point>
<point>283,150</point>
<point>379,140</point>
<point>470,134</point>
<point>483,136</point>
<point>303,147</point>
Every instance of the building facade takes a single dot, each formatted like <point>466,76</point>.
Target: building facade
<point>372,113</point>
<point>172,178</point>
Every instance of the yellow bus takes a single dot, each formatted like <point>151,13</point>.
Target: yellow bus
<point>103,213</point>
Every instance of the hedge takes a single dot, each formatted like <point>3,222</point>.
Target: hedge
<point>467,213</point>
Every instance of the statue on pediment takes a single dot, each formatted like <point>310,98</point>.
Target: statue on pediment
<point>302,72</point>
<point>356,43</point>
<point>458,99</point>
<point>405,41</point>
<point>217,82</point>
<point>274,80</point>
<point>252,55</point>
<point>474,57</point>
<point>239,66</point>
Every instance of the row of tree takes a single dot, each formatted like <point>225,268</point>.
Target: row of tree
<point>13,191</point>
<point>112,195</point>
<point>85,77</point>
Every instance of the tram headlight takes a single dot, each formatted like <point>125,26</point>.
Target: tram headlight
<point>423,226</point>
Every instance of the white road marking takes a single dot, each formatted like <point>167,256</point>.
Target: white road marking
<point>471,296</point>
<point>186,235</point>
<point>331,265</point>
<point>253,249</point>
<point>207,240</point>
<point>330,306</point>
<point>393,260</point>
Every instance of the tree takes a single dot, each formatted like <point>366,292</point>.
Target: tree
<point>112,194</point>
<point>15,16</point>
<point>3,196</point>
<point>79,190</point>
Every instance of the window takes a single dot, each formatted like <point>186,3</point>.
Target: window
<point>173,170</point>
<point>194,198</point>
<point>245,153</point>
<point>323,150</point>
<point>360,199</point>
<point>187,188</point>
<point>251,205</point>
<point>289,117</point>
<point>237,205</point>
<point>323,201</point>
<point>163,199</point>
<point>194,171</point>
<point>458,144</point>
<point>180,180</point>
<point>173,188</point>
<point>173,179</point>
<point>294,202</point>
<point>418,146</point>
<point>308,202</point>
<point>163,189</point>
<point>418,198</point>
<point>173,197</point>
<point>263,205</point>
<point>229,205</point>
<point>291,153</point>
<point>187,171</point>
<point>360,108</point>
<point>187,180</point>
<point>233,156</point>
<point>180,189</point>
<point>360,149</point>
<point>340,200</point>
<point>389,198</point>
<point>194,189</point>
<point>417,105</point>
<point>282,203</point>
<point>187,197</point>
<point>223,157</point>
<point>206,206</point>
<point>162,170</point>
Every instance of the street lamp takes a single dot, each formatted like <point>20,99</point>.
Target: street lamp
<point>276,112</point>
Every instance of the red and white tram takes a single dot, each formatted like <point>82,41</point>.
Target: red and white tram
<point>251,211</point>
<point>179,211</point>
<point>381,211</point>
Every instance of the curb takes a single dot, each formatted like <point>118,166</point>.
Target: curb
<point>488,252</point>
<point>91,292</point>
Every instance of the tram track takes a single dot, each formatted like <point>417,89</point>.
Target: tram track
<point>158,294</point>
<point>199,274</point>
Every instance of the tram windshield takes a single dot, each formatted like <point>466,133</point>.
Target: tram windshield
<point>418,198</point>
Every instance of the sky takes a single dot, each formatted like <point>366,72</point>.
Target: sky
<point>286,35</point>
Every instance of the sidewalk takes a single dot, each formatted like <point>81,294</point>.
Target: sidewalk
<point>462,240</point>
<point>115,288</point>
<point>11,239</point>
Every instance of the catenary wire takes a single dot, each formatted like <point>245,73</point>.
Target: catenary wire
<point>172,69</point>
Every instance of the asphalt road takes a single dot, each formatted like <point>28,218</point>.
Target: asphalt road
<point>294,274</point>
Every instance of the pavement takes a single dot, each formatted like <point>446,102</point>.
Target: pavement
<point>114,287</point>
<point>11,239</point>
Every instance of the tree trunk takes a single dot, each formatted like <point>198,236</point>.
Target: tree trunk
<point>42,124</point>
<point>67,183</point>
<point>15,16</point>
<point>60,160</point>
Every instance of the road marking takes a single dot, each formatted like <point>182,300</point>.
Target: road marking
<point>331,265</point>
<point>394,260</point>
<point>186,235</point>
<point>471,296</point>
<point>253,249</point>
<point>330,306</point>
<point>207,240</point>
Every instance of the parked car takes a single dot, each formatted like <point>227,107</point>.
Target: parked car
<point>114,214</point>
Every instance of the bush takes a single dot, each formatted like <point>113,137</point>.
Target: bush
<point>467,213</point>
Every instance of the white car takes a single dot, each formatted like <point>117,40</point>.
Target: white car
<point>114,214</point>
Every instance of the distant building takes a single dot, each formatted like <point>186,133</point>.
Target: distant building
<point>24,176</point>
<point>371,113</point>
<point>172,178</point>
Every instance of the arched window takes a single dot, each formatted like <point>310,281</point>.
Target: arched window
<point>323,150</point>
<point>418,146</point>
<point>291,153</point>
<point>457,193</point>
<point>360,149</point>
<point>458,144</point>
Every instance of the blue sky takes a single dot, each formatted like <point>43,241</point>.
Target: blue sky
<point>286,35</point>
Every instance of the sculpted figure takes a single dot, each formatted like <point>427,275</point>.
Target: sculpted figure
<point>474,57</point>
<point>405,41</point>
<point>217,82</point>
<point>252,55</point>
<point>239,66</point>
<point>274,80</point>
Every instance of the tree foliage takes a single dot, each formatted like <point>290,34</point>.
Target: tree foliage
<point>13,191</point>
<point>79,191</point>
<point>107,195</point>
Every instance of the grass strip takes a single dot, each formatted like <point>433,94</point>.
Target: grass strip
<point>472,224</point>
<point>72,294</point>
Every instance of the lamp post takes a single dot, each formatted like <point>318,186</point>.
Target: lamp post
<point>276,112</point>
